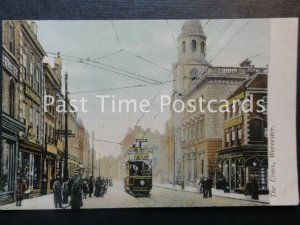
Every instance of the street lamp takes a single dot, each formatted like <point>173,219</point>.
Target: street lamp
<point>254,163</point>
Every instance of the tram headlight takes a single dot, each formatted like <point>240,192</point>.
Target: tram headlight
<point>142,182</point>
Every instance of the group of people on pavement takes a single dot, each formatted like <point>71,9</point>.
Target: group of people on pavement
<point>205,186</point>
<point>78,188</point>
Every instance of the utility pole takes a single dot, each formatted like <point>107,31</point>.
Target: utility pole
<point>93,153</point>
<point>66,155</point>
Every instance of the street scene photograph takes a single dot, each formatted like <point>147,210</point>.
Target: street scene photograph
<point>135,113</point>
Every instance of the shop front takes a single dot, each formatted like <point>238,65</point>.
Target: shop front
<point>29,165</point>
<point>52,162</point>
<point>9,149</point>
<point>237,166</point>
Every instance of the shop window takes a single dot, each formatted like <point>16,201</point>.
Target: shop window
<point>256,131</point>
<point>11,98</point>
<point>7,176</point>
<point>193,45</point>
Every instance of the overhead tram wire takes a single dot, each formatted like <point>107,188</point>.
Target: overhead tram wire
<point>79,60</point>
<point>109,54</point>
<point>230,40</point>
<point>120,88</point>
<point>110,142</point>
<point>117,36</point>
<point>206,24</point>
<point>112,67</point>
<point>147,60</point>
<point>259,54</point>
<point>174,40</point>
<point>220,34</point>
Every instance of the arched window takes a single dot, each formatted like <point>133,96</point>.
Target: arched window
<point>256,132</point>
<point>202,47</point>
<point>194,74</point>
<point>194,45</point>
<point>183,46</point>
<point>11,98</point>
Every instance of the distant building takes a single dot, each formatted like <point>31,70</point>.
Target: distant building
<point>244,153</point>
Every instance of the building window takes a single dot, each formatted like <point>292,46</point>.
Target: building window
<point>194,74</point>
<point>12,38</point>
<point>31,74</point>
<point>256,131</point>
<point>37,126</point>
<point>30,115</point>
<point>37,80</point>
<point>183,46</point>
<point>240,133</point>
<point>26,67</point>
<point>194,45</point>
<point>202,47</point>
<point>11,98</point>
<point>227,136</point>
<point>233,134</point>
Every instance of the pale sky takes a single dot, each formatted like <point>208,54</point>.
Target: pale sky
<point>153,40</point>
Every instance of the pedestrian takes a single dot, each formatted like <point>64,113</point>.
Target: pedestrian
<point>254,188</point>
<point>205,188</point>
<point>209,187</point>
<point>104,187</point>
<point>65,191</point>
<point>70,184</point>
<point>91,186</point>
<point>110,182</point>
<point>57,193</point>
<point>76,197</point>
<point>97,187</point>
<point>21,188</point>
<point>85,189</point>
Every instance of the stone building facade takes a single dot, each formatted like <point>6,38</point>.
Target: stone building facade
<point>11,115</point>
<point>198,135</point>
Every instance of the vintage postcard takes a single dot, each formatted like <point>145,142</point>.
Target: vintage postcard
<point>148,113</point>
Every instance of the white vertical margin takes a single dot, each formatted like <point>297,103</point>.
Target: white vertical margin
<point>282,81</point>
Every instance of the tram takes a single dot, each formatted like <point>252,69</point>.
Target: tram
<point>138,174</point>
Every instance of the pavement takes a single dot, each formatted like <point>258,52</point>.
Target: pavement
<point>160,196</point>
<point>220,193</point>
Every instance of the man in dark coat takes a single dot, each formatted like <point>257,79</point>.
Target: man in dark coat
<point>98,189</point>
<point>57,193</point>
<point>76,197</point>
<point>254,188</point>
<point>91,186</point>
<point>205,188</point>
<point>65,192</point>
<point>209,187</point>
